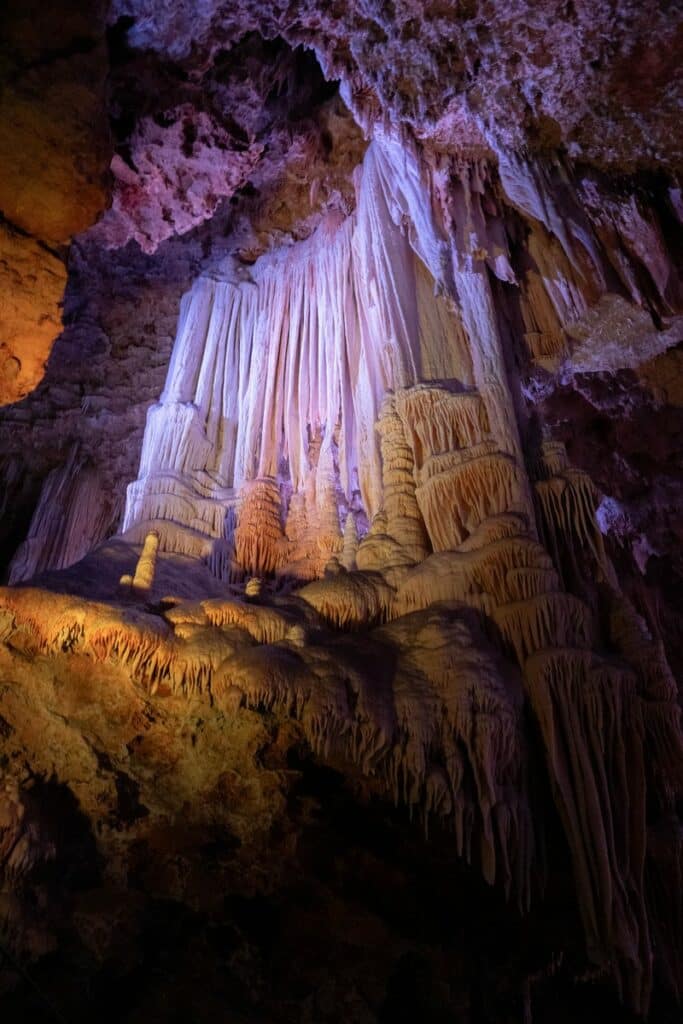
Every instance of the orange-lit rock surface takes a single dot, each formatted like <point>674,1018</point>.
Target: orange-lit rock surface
<point>32,280</point>
<point>53,171</point>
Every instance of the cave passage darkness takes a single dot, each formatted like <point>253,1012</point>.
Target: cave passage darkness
<point>341,512</point>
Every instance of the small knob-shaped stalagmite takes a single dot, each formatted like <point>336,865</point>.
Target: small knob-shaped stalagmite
<point>144,570</point>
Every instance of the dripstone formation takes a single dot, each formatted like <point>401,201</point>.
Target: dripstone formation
<point>341,624</point>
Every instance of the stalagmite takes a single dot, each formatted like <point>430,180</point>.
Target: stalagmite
<point>144,570</point>
<point>258,535</point>
<point>404,522</point>
<point>329,537</point>
<point>379,552</point>
<point>350,545</point>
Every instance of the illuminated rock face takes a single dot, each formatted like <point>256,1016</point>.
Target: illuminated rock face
<point>324,385</point>
<point>355,535</point>
<point>280,376</point>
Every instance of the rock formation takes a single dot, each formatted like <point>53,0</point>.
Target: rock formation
<point>356,467</point>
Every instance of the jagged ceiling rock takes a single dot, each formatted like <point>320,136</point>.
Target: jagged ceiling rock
<point>603,80</point>
<point>209,99</point>
<point>189,136</point>
<point>176,177</point>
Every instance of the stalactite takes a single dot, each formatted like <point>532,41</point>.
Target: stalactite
<point>363,371</point>
<point>483,577</point>
<point>308,341</point>
<point>437,420</point>
<point>560,295</point>
<point>474,292</point>
<point>592,731</point>
<point>529,185</point>
<point>73,514</point>
<point>543,329</point>
<point>545,620</point>
<point>457,496</point>
<point>334,321</point>
<point>567,505</point>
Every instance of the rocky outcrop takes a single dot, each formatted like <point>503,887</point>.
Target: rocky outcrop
<point>200,855</point>
<point>53,171</point>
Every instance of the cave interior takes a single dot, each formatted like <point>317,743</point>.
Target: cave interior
<point>341,511</point>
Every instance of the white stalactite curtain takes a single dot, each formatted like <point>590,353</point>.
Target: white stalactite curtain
<point>308,343</point>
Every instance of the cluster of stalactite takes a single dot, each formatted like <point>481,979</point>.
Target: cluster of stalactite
<point>339,420</point>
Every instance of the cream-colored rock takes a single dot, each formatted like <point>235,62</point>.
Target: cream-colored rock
<point>143,580</point>
<point>349,599</point>
<point>458,493</point>
<point>350,544</point>
<point>403,519</point>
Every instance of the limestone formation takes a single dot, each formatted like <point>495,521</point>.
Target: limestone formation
<point>258,534</point>
<point>143,580</point>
